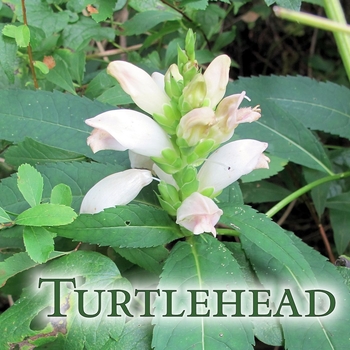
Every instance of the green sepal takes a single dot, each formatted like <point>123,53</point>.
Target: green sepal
<point>190,70</point>
<point>169,193</point>
<point>205,147</point>
<point>168,126</point>
<point>187,180</point>
<point>209,191</point>
<point>190,43</point>
<point>182,59</point>
<point>166,206</point>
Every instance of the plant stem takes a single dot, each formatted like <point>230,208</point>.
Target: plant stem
<point>275,209</point>
<point>335,12</point>
<point>29,48</point>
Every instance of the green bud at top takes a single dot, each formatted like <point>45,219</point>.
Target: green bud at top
<point>182,59</point>
<point>173,82</point>
<point>190,42</point>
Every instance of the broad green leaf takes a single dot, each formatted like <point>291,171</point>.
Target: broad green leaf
<point>105,10</point>
<point>75,62</point>
<point>30,183</point>
<point>137,334</point>
<point>46,215</point>
<point>77,36</point>
<point>87,173</point>
<point>275,166</point>
<point>4,216</point>
<point>8,49</point>
<point>37,114</point>
<point>340,202</point>
<point>132,226</point>
<point>200,263</point>
<point>289,4</point>
<point>98,272</point>
<point>263,191</point>
<point>17,263</point>
<point>195,4</point>
<point>22,36</point>
<point>115,96</point>
<point>100,83</point>
<point>144,21</point>
<point>288,137</point>
<point>38,242</point>
<point>231,194</point>
<point>61,194</point>
<point>60,75</point>
<point>33,152</point>
<point>9,30</point>
<point>340,221</point>
<point>151,259</point>
<point>41,15</point>
<point>149,5</point>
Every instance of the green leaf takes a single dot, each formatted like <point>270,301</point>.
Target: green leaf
<point>263,191</point>
<point>144,21</point>
<point>231,194</point>
<point>340,225</point>
<point>151,259</point>
<point>87,173</point>
<point>8,49</point>
<point>105,10</point>
<point>38,242</point>
<point>46,215</point>
<point>98,272</point>
<point>61,194</point>
<point>4,216</point>
<point>30,183</point>
<point>9,30</point>
<point>37,114</point>
<point>149,5</point>
<point>22,36</point>
<point>75,61</point>
<point>60,75</point>
<point>42,67</point>
<point>115,96</point>
<point>202,262</point>
<point>17,263</point>
<point>33,152</point>
<point>340,202</point>
<point>77,36</point>
<point>289,4</point>
<point>275,166</point>
<point>132,226</point>
<point>281,127</point>
<point>100,83</point>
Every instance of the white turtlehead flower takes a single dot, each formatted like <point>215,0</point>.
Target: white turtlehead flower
<point>124,129</point>
<point>145,91</point>
<point>231,161</point>
<point>116,189</point>
<point>216,78</point>
<point>198,214</point>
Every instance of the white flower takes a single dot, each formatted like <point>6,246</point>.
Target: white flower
<point>130,130</point>
<point>140,86</point>
<point>216,78</point>
<point>198,214</point>
<point>231,161</point>
<point>116,189</point>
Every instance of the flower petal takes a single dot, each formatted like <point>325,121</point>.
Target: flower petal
<point>162,175</point>
<point>216,77</point>
<point>101,140</point>
<point>133,130</point>
<point>140,86</point>
<point>116,189</point>
<point>137,161</point>
<point>198,214</point>
<point>231,161</point>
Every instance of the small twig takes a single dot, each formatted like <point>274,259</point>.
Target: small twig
<point>102,50</point>
<point>326,243</point>
<point>29,48</point>
<point>10,300</point>
<point>115,51</point>
<point>286,213</point>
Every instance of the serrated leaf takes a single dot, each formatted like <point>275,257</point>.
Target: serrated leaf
<point>341,228</point>
<point>231,194</point>
<point>87,173</point>
<point>98,271</point>
<point>115,96</point>
<point>75,62</point>
<point>287,135</point>
<point>61,194</point>
<point>9,30</point>
<point>55,119</point>
<point>46,214</point>
<point>30,183</point>
<point>33,152</point>
<point>202,262</point>
<point>19,262</point>
<point>4,216</point>
<point>77,36</point>
<point>22,36</point>
<point>151,259</point>
<point>8,49</point>
<point>105,10</point>
<point>142,22</point>
<point>60,76</point>
<point>275,166</point>
<point>289,4</point>
<point>133,226</point>
<point>38,242</point>
<point>101,82</point>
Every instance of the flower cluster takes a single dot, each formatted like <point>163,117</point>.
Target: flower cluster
<point>180,143</point>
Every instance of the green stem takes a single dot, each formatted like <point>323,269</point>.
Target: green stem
<point>227,232</point>
<point>275,209</point>
<point>336,23</point>
<point>335,12</point>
